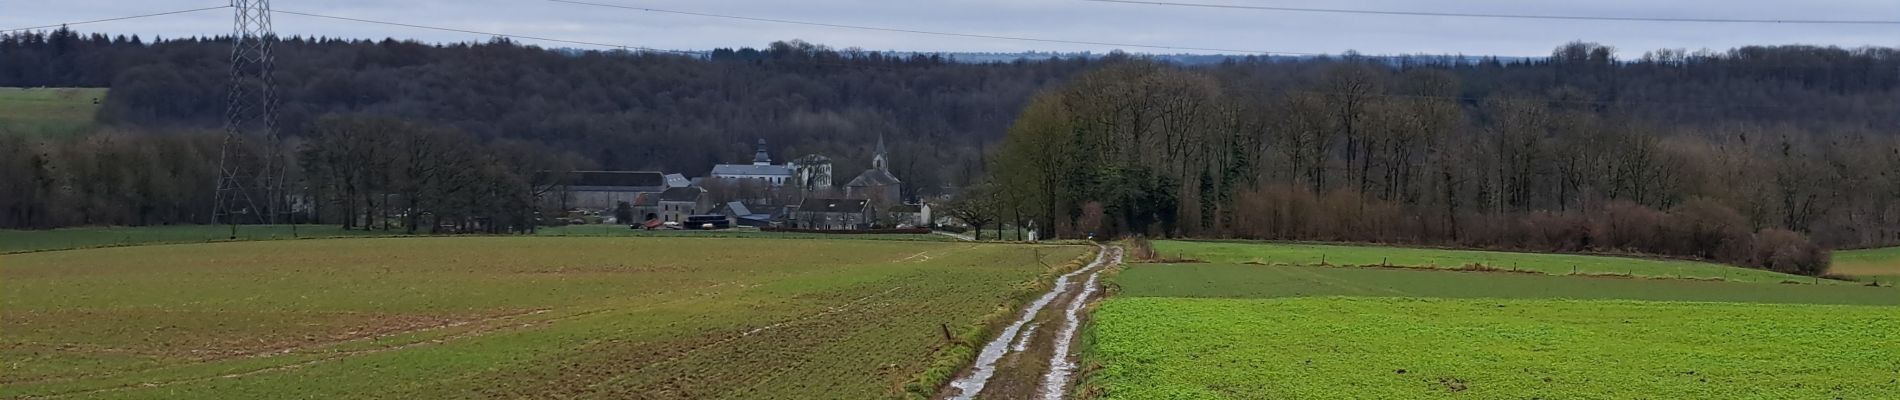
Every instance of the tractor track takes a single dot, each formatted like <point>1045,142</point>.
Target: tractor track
<point>1021,364</point>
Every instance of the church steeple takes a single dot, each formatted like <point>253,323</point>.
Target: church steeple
<point>760,157</point>
<point>878,160</point>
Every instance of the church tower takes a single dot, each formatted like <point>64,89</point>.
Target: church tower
<point>760,157</point>
<point>878,159</point>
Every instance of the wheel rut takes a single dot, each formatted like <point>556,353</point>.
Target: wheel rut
<point>1031,357</point>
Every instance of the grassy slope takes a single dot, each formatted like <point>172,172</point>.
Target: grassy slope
<point>1882,262</point>
<point>48,112</point>
<point>1400,348</point>
<point>494,316</point>
<point>1260,281</point>
<point>1555,264</point>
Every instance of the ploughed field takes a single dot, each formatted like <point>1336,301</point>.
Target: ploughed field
<point>1227,330</point>
<point>497,317</point>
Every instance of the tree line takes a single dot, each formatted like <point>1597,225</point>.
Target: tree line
<point>364,172</point>
<point>1369,151</point>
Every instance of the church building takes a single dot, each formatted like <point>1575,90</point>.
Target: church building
<point>876,184</point>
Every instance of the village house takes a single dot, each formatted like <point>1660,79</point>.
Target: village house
<point>828,213</point>
<point>740,214</point>
<point>907,215</point>
<point>604,190</point>
<point>678,203</point>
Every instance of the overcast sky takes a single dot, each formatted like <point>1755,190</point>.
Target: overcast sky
<point>1053,19</point>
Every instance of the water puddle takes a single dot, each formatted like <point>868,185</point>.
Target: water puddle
<point>1022,343</point>
<point>1056,381</point>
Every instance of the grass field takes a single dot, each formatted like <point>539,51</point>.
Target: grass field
<point>1407,348</point>
<point>495,317</point>
<point>1554,264</point>
<point>1882,263</point>
<point>1227,330</point>
<point>1261,281</point>
<point>15,241</point>
<point>48,111</point>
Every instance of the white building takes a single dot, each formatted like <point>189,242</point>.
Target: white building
<point>760,170</point>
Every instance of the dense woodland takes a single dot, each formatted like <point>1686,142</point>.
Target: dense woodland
<point>1710,154</point>
<point>1362,150</point>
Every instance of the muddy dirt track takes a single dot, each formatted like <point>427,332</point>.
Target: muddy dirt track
<point>1032,357</point>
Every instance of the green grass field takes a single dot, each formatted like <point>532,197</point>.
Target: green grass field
<point>1228,330</point>
<point>495,317</point>
<point>1407,348</point>
<point>1882,263</point>
<point>48,111</point>
<point>1262,281</point>
<point>1554,264</point>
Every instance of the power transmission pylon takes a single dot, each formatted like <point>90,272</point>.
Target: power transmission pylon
<point>252,104</point>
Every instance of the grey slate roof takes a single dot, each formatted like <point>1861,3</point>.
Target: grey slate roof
<point>637,181</point>
<point>677,180</point>
<point>815,204</point>
<point>682,194</point>
<point>738,208</point>
<point>749,169</point>
<point>874,177</point>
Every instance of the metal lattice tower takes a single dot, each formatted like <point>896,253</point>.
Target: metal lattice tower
<point>244,178</point>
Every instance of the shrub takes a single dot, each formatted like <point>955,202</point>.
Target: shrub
<point>1786,251</point>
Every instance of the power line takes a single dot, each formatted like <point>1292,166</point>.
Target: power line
<point>924,32</point>
<point>1509,16</point>
<point>459,30</point>
<point>113,19</point>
